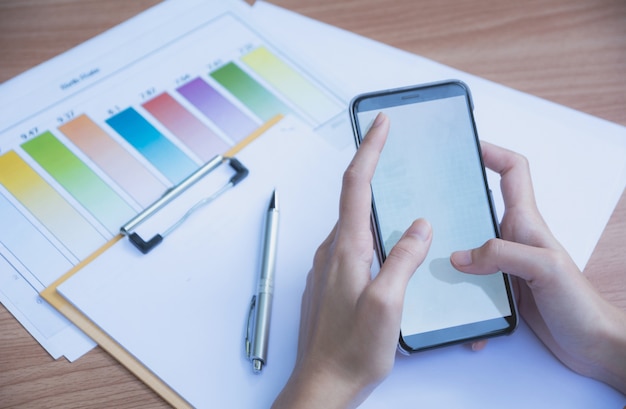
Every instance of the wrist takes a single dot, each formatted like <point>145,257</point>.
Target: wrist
<point>312,388</point>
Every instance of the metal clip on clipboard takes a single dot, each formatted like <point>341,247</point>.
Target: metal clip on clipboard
<point>145,246</point>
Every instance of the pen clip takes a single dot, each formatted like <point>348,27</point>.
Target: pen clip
<point>249,326</point>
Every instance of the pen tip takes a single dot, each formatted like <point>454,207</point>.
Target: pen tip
<point>274,200</point>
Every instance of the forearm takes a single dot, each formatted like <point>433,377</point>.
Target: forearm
<point>611,367</point>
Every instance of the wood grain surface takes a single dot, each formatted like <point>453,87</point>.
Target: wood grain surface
<point>572,52</point>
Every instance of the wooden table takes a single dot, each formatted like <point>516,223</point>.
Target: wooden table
<point>572,52</point>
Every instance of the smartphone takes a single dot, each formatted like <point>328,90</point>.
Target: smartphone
<point>431,166</point>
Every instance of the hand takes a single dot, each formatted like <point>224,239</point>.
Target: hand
<point>350,323</point>
<point>583,330</point>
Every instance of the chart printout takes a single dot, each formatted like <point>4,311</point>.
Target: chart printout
<point>77,168</point>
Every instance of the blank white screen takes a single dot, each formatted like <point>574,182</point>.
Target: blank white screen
<point>430,168</point>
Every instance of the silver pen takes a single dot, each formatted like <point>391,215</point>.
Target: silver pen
<point>262,301</point>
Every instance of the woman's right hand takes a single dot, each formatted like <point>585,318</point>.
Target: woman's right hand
<point>583,330</point>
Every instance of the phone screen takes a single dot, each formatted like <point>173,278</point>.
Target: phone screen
<point>431,167</point>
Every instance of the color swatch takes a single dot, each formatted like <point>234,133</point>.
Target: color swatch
<point>47,205</point>
<point>258,99</point>
<point>164,155</point>
<point>293,85</point>
<point>219,110</point>
<point>124,169</point>
<point>200,139</point>
<point>79,181</point>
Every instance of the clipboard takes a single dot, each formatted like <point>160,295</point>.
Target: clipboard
<point>116,350</point>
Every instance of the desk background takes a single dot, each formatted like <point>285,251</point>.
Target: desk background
<point>572,52</point>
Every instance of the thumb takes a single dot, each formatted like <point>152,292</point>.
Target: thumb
<point>526,262</point>
<point>404,258</point>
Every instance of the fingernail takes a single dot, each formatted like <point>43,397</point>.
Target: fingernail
<point>378,120</point>
<point>421,230</point>
<point>462,258</point>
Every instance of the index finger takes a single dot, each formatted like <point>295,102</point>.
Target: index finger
<point>515,182</point>
<point>356,195</point>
